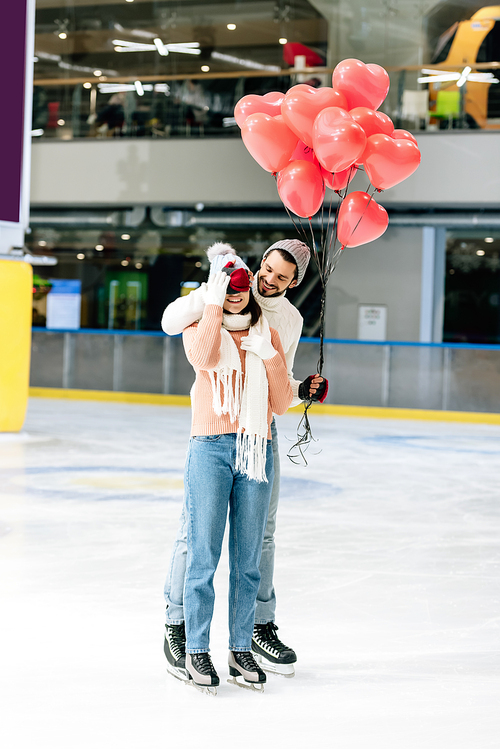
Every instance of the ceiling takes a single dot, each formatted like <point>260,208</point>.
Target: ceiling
<point>91,29</point>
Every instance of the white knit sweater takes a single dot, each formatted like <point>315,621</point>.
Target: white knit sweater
<point>280,314</point>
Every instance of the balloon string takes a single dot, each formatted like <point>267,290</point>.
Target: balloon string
<point>326,261</point>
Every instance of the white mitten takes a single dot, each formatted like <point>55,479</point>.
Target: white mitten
<point>257,344</point>
<point>217,288</point>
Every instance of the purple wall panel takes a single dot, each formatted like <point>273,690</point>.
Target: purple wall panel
<point>12,68</point>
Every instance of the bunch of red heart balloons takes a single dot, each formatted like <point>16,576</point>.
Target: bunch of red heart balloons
<point>315,138</point>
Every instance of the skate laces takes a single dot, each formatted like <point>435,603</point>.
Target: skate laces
<point>176,635</point>
<point>246,660</point>
<point>203,663</point>
<point>265,634</point>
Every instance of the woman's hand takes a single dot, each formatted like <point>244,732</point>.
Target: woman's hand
<point>217,288</point>
<point>258,345</point>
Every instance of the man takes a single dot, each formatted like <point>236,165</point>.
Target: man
<point>283,267</point>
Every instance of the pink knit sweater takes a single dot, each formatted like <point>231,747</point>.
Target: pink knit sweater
<point>202,342</point>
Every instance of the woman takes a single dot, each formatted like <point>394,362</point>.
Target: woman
<point>241,379</point>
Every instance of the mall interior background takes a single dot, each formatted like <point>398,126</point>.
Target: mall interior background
<point>138,165</point>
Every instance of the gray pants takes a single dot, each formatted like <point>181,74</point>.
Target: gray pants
<point>266,598</point>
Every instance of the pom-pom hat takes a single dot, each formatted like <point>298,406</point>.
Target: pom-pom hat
<point>223,257</point>
<point>298,250</point>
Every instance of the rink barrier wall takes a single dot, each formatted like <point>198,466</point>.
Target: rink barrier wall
<point>448,377</point>
<point>315,408</point>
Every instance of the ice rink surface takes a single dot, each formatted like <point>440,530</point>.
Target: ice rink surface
<point>387,581</point>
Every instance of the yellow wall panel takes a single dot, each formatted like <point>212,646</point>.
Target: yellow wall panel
<point>16,294</point>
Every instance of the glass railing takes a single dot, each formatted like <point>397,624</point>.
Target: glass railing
<point>445,377</point>
<point>420,99</point>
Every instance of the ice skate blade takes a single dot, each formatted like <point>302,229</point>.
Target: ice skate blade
<point>210,691</point>
<point>178,673</point>
<point>246,684</point>
<point>286,670</point>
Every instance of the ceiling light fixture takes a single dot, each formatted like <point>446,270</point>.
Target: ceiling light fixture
<point>184,48</point>
<point>62,35</point>
<point>231,26</point>
<point>489,240</point>
<point>205,68</point>
<point>80,256</point>
<point>139,88</point>
<point>87,84</point>
<point>125,236</point>
<point>99,247</point>
<point>480,252</point>
<point>283,40</point>
<point>443,76</point>
<point>97,73</point>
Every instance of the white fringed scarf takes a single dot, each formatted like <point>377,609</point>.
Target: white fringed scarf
<point>248,401</point>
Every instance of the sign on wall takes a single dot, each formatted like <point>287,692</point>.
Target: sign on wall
<point>16,63</point>
<point>372,322</point>
<point>64,303</point>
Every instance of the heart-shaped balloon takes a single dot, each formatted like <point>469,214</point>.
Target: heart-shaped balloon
<point>339,180</point>
<point>301,188</point>
<point>362,85</point>
<point>269,140</point>
<point>360,220</point>
<point>372,121</point>
<point>252,104</point>
<point>338,140</point>
<point>303,103</point>
<point>304,153</point>
<point>388,161</point>
<point>403,135</point>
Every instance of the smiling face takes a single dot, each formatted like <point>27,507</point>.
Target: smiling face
<point>236,303</point>
<point>276,275</point>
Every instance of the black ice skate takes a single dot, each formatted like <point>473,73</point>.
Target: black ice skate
<point>273,655</point>
<point>200,669</point>
<point>175,650</point>
<point>245,672</point>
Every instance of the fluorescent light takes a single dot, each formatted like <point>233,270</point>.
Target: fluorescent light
<point>160,47</point>
<point>37,133</point>
<point>463,76</point>
<point>437,78</point>
<point>139,88</point>
<point>243,62</point>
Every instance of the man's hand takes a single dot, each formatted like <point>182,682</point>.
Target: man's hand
<point>313,388</point>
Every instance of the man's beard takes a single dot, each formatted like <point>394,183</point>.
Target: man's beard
<point>270,296</point>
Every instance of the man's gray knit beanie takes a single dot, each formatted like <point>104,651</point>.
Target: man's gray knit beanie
<point>298,250</point>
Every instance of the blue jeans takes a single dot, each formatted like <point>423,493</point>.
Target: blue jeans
<point>213,485</point>
<point>266,598</point>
